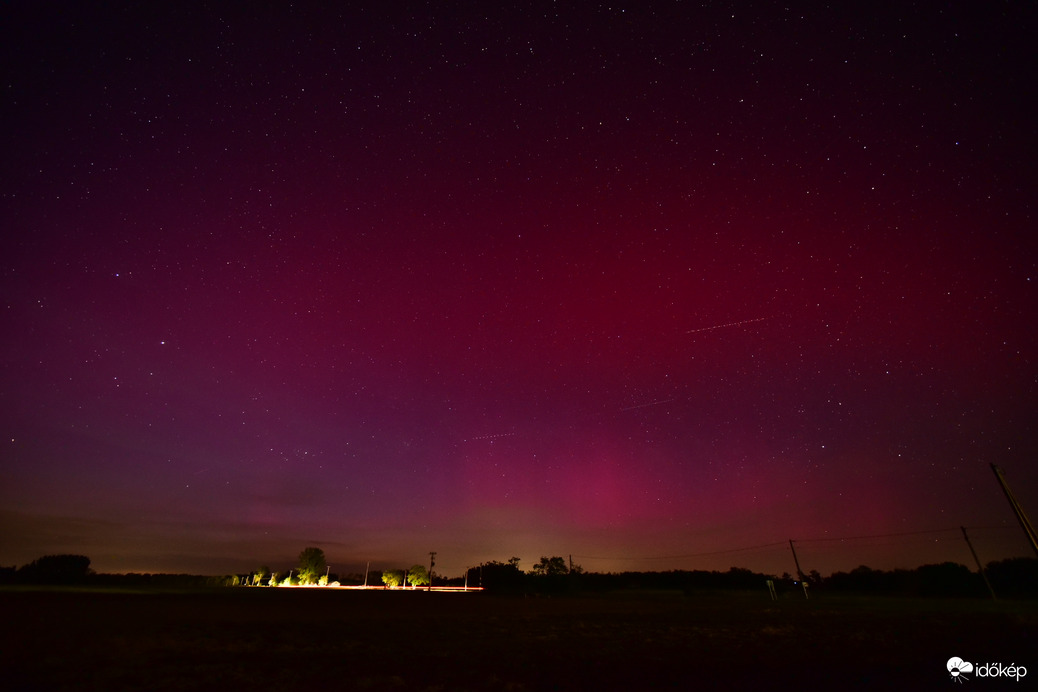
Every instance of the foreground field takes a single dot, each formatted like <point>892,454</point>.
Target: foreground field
<point>295,639</point>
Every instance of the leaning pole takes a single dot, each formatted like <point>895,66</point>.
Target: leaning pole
<point>803,581</point>
<point>1025,523</point>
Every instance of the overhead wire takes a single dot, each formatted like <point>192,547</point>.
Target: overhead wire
<point>784,543</point>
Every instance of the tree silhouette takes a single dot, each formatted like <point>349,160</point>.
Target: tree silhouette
<point>498,577</point>
<point>56,569</point>
<point>550,567</point>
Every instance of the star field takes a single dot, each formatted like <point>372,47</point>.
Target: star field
<point>622,282</point>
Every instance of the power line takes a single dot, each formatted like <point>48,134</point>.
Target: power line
<point>678,557</point>
<point>982,528</point>
<point>777,543</point>
<point>877,535</point>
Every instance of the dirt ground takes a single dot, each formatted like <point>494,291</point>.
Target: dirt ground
<point>295,639</point>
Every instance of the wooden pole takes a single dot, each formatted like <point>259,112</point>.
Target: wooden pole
<point>1025,523</point>
<point>980,567</point>
<point>803,582</point>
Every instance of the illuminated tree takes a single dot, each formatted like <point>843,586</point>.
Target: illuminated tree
<point>311,565</point>
<point>417,576</point>
<point>393,577</point>
<point>261,575</point>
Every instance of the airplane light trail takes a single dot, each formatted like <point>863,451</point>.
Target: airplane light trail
<point>651,403</point>
<point>487,437</point>
<point>730,324</point>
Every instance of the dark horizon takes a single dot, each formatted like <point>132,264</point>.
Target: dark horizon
<point>1012,577</point>
<point>811,548</point>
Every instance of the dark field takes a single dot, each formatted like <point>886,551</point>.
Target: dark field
<point>295,639</point>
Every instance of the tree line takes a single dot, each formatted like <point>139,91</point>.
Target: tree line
<point>1010,578</point>
<point>74,570</point>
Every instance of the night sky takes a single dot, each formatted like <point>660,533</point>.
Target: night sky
<point>643,283</point>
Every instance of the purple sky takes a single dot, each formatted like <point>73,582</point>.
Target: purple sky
<point>637,284</point>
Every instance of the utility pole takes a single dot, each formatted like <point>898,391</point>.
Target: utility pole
<point>1025,523</point>
<point>980,568</point>
<point>432,561</point>
<point>803,582</point>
